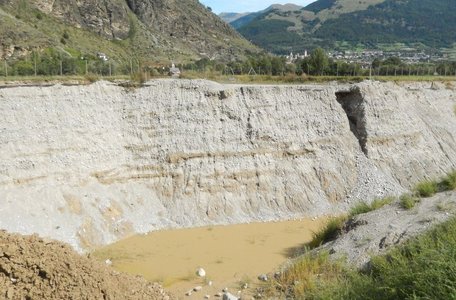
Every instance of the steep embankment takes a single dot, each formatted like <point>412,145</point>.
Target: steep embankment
<point>91,164</point>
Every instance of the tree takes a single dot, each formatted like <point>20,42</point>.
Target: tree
<point>319,61</point>
<point>376,63</point>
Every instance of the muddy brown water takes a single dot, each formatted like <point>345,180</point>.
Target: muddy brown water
<point>230,255</point>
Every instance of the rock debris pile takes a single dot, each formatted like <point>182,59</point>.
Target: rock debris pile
<point>34,268</point>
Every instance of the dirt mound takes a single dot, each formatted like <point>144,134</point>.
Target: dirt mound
<point>35,268</point>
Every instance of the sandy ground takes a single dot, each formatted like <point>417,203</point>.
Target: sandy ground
<point>230,255</point>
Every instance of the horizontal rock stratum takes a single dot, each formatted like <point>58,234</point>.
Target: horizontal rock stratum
<point>89,165</point>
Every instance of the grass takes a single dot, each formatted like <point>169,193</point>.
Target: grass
<point>295,79</point>
<point>422,268</point>
<point>329,232</point>
<point>303,276</point>
<point>254,79</point>
<point>423,189</point>
<point>364,207</point>
<point>335,225</point>
<point>426,188</point>
<point>448,183</point>
<point>92,77</point>
<point>67,78</point>
<point>408,201</point>
<point>429,188</point>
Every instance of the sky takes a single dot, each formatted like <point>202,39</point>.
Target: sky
<point>219,6</point>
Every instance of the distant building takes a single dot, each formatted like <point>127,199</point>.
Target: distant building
<point>102,56</point>
<point>294,57</point>
<point>174,71</point>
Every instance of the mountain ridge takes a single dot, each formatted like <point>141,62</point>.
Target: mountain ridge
<point>329,23</point>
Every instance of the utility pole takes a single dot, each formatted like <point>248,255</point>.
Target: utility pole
<point>61,68</point>
<point>6,69</point>
<point>110,69</point>
<point>34,58</point>
<point>87,67</point>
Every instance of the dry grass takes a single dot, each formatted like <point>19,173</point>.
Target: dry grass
<point>304,275</point>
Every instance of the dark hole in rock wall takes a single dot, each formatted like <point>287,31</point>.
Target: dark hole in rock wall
<point>352,103</point>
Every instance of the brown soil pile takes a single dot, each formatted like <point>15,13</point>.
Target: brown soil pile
<point>34,268</point>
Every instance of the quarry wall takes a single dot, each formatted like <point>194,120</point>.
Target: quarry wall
<point>91,164</point>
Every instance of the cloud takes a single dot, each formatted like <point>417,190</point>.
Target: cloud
<point>247,5</point>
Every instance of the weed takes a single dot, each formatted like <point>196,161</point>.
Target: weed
<point>332,229</point>
<point>90,77</point>
<point>423,268</point>
<point>334,226</point>
<point>304,276</point>
<point>448,183</point>
<point>445,206</point>
<point>426,188</point>
<point>139,78</point>
<point>408,201</point>
<point>360,208</point>
<point>363,207</point>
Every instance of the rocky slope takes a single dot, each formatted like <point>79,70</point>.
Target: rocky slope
<point>154,30</point>
<point>33,268</point>
<point>378,231</point>
<point>92,164</point>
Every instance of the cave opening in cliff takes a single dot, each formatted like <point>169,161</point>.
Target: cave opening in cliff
<point>352,103</point>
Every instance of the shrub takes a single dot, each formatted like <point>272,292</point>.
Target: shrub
<point>90,77</point>
<point>408,201</point>
<point>332,229</point>
<point>139,78</point>
<point>23,68</point>
<point>426,188</point>
<point>448,183</point>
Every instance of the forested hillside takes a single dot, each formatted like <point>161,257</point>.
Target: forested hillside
<point>328,23</point>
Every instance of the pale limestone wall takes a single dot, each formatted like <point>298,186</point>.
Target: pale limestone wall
<point>91,164</point>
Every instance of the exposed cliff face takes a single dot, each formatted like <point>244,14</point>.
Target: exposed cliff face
<point>187,22</point>
<point>107,18</point>
<point>91,164</point>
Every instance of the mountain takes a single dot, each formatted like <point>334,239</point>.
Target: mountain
<point>229,17</point>
<point>159,30</point>
<point>350,23</point>
<point>247,18</point>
